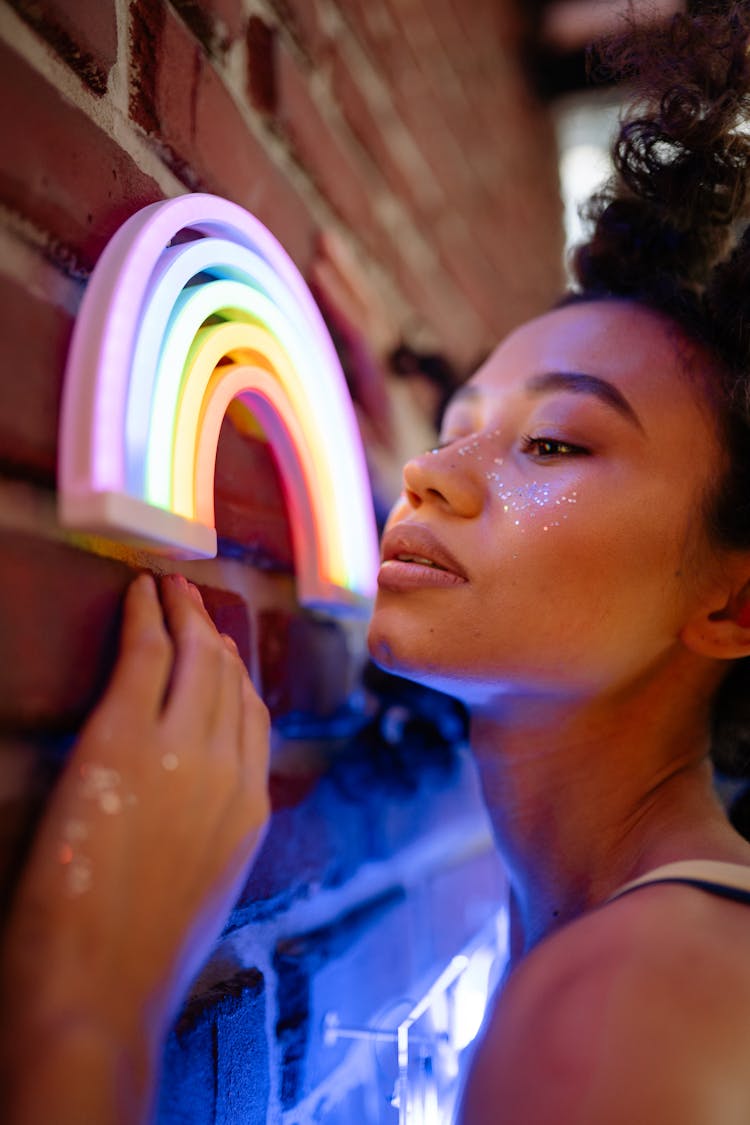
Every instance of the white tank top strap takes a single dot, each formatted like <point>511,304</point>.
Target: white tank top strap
<point>730,880</point>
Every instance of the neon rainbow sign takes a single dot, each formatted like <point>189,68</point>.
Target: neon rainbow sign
<point>193,304</point>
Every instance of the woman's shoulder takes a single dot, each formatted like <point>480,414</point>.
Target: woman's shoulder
<point>638,1010</point>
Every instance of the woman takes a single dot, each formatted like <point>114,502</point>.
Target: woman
<point>574,563</point>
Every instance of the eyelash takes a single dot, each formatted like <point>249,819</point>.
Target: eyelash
<point>561,448</point>
<point>529,442</point>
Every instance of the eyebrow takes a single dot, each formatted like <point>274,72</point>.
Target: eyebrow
<point>579,383</point>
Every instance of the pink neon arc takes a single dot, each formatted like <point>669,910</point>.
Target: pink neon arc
<point>130,334</point>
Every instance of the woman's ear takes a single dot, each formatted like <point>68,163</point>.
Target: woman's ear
<point>724,632</point>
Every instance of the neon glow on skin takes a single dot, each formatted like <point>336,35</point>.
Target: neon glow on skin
<point>148,382</point>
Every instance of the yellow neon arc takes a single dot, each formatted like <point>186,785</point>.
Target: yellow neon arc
<point>265,397</point>
<point>206,391</point>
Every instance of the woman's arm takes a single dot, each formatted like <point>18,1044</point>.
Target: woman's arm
<point>143,850</point>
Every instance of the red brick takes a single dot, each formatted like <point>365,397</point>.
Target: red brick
<point>60,610</point>
<point>458,329</point>
<point>306,668</point>
<point>82,32</point>
<point>34,338</point>
<point>178,98</point>
<point>303,21</point>
<point>420,94</point>
<point>260,38</point>
<point>348,179</point>
<point>486,21</point>
<point>405,176</point>
<point>375,29</point>
<point>414,23</point>
<point>484,284</point>
<point>454,37</point>
<point>475,256</point>
<point>479,180</point>
<point>429,93</point>
<point>60,170</point>
<point>216,23</point>
<point>249,499</point>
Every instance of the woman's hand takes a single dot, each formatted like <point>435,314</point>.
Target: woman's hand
<point>144,847</point>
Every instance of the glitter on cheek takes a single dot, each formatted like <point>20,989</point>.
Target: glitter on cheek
<point>528,500</point>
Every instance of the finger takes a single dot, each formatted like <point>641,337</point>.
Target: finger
<point>227,732</point>
<point>255,739</point>
<point>144,663</point>
<point>194,692</point>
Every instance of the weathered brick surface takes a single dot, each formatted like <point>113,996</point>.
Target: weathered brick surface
<point>366,946</point>
<point>319,843</point>
<point>394,947</point>
<point>261,65</point>
<point>346,177</point>
<point>61,171</point>
<point>82,32</point>
<point>306,666</point>
<point>379,129</point>
<point>215,1069</point>
<point>251,517</point>
<point>34,338</point>
<point>303,21</point>
<point>178,98</point>
<point>455,86</point>
<point>216,23</point>
<point>361,809</point>
<point>60,611</point>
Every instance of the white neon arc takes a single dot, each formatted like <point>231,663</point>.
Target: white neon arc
<point>111,310</point>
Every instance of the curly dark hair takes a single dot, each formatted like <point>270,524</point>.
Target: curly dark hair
<point>670,231</point>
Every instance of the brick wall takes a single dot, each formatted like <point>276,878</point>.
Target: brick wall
<point>393,147</point>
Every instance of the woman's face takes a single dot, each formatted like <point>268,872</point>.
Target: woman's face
<point>564,511</point>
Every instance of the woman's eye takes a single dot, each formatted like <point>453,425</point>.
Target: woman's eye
<point>546,447</point>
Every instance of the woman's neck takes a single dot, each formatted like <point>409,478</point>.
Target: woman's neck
<point>585,796</point>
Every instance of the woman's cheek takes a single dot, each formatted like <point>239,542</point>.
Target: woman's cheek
<point>534,504</point>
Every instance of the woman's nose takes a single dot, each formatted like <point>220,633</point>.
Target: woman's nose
<point>444,478</point>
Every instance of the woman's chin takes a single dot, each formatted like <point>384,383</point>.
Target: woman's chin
<point>382,652</point>
<point>392,656</point>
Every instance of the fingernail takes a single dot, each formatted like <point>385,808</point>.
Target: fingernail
<point>145,582</point>
<point>195,593</point>
<point>177,580</point>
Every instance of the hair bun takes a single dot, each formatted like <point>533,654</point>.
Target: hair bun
<point>681,157</point>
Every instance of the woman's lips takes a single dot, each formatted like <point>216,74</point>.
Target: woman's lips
<point>413,557</point>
